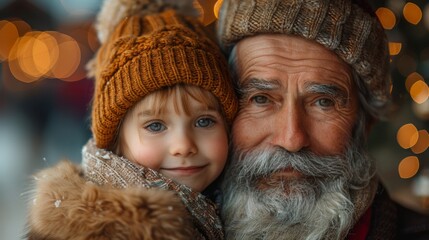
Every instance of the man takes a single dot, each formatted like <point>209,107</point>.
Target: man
<point>312,76</point>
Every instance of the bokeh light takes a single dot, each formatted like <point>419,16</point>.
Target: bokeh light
<point>421,110</point>
<point>45,52</point>
<point>69,57</point>
<point>387,17</point>
<point>408,167</point>
<point>411,79</point>
<point>9,34</point>
<point>412,13</point>
<point>216,8</point>
<point>18,60</point>
<point>419,91</point>
<point>394,48</point>
<point>422,144</point>
<point>38,55</point>
<point>25,55</point>
<point>407,136</point>
<point>205,7</point>
<point>23,27</point>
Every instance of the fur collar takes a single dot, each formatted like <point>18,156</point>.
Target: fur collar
<point>66,206</point>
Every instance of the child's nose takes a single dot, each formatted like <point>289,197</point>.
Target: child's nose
<point>183,145</point>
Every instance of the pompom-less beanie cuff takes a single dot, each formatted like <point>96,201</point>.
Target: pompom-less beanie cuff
<point>342,26</point>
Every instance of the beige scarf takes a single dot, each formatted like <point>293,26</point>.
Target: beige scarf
<point>105,168</point>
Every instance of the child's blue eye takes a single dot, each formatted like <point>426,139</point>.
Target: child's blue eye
<point>155,127</point>
<point>204,122</point>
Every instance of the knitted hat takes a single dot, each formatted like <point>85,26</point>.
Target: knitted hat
<point>349,29</point>
<point>152,47</point>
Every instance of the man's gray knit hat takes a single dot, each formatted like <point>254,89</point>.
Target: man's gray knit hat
<point>347,27</point>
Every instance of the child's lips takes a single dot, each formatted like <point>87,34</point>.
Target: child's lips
<point>188,170</point>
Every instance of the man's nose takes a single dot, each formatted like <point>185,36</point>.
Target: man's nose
<point>182,144</point>
<point>290,129</point>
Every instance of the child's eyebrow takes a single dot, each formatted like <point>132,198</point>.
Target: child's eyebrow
<point>146,113</point>
<point>198,110</point>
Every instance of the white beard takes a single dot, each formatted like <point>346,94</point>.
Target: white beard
<point>317,207</point>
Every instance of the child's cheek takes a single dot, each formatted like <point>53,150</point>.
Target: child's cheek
<point>149,156</point>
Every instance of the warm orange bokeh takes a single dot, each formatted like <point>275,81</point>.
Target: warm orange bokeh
<point>69,57</point>
<point>216,8</point>
<point>38,55</point>
<point>407,136</point>
<point>394,48</point>
<point>387,17</point>
<point>9,34</point>
<point>423,142</point>
<point>411,79</point>
<point>419,92</point>
<point>408,167</point>
<point>412,13</point>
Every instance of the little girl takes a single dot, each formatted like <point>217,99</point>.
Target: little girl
<point>161,111</point>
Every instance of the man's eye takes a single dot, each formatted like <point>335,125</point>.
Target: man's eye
<point>259,99</point>
<point>155,127</point>
<point>325,102</point>
<point>204,122</point>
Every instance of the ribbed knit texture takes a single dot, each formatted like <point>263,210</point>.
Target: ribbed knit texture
<point>354,34</point>
<point>148,53</point>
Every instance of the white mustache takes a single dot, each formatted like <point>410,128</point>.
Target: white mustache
<point>252,165</point>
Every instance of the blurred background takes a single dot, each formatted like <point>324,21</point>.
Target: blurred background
<point>45,96</point>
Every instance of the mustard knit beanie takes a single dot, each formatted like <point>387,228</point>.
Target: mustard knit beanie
<point>347,27</point>
<point>147,45</point>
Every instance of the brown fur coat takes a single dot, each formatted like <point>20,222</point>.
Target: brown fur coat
<point>66,206</point>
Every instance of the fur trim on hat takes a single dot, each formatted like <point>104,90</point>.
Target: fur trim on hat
<point>113,11</point>
<point>66,206</point>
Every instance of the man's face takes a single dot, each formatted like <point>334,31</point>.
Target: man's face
<point>296,94</point>
<point>294,159</point>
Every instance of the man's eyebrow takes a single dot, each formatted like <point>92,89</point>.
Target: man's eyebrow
<point>259,84</point>
<point>330,89</point>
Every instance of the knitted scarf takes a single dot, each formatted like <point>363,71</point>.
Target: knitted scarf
<point>105,168</point>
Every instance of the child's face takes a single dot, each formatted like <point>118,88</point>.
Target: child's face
<point>188,148</point>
